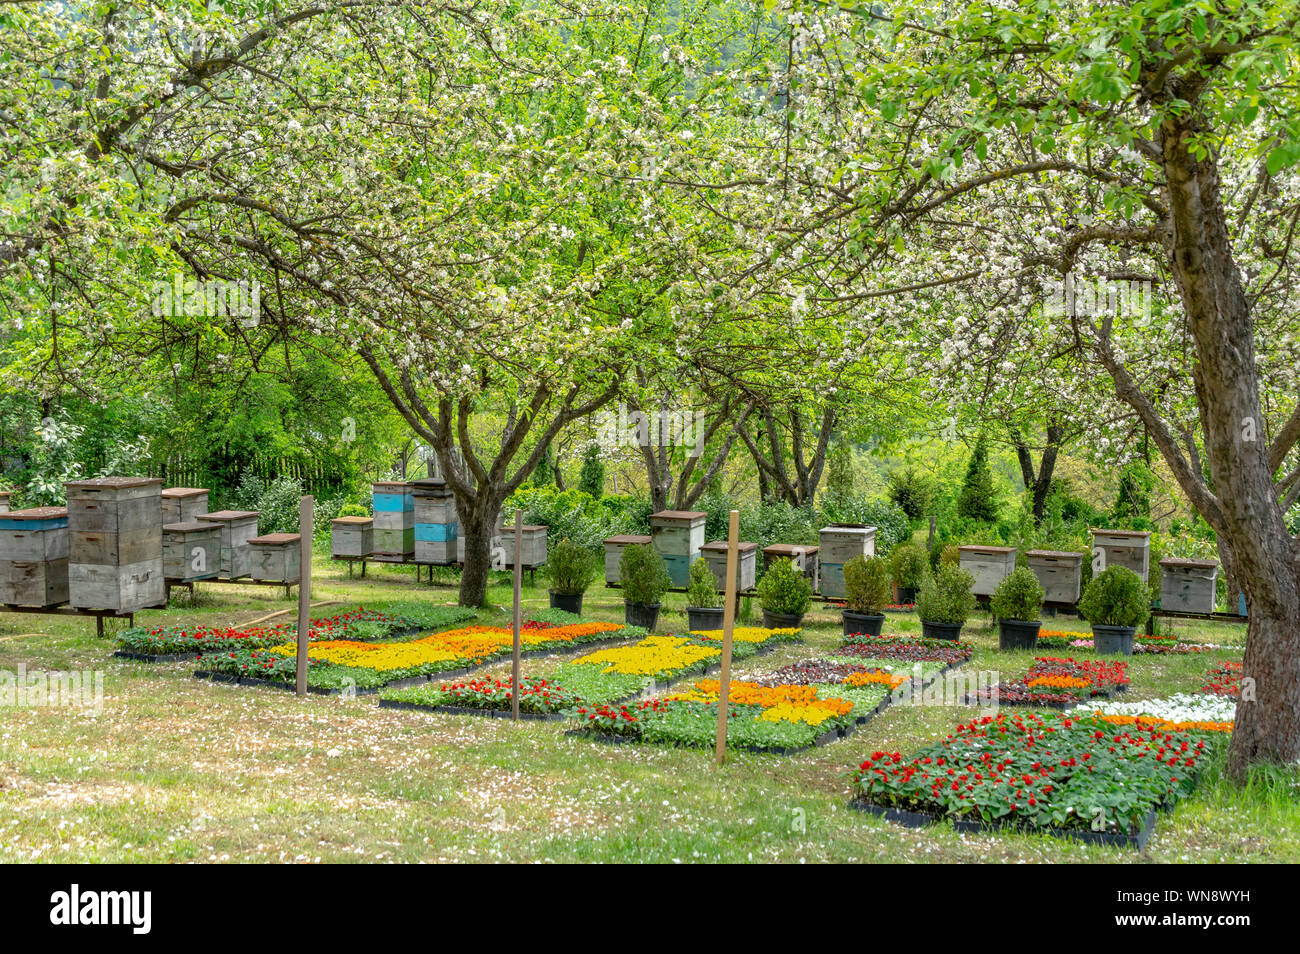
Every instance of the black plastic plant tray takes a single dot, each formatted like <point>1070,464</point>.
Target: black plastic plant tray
<point>913,819</point>
<point>468,710</point>
<point>235,680</point>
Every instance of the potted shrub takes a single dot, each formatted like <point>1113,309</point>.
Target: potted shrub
<point>644,577</point>
<point>907,563</point>
<point>703,603</point>
<point>784,593</point>
<point>570,569</point>
<point>866,591</point>
<point>945,601</point>
<point>1017,603</point>
<point>1116,603</point>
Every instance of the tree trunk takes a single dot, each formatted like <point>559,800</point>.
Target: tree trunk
<point>1041,482</point>
<point>1246,511</point>
<point>478,526</point>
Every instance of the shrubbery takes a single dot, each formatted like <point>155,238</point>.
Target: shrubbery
<point>1018,597</point>
<point>946,595</point>
<point>866,585</point>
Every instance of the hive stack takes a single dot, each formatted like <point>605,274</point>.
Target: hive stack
<point>394,534</point>
<point>184,504</point>
<point>532,544</point>
<point>805,557</point>
<point>436,523</point>
<point>4,501</point>
<point>1128,548</point>
<point>352,536</point>
<point>1188,586</point>
<point>276,558</point>
<point>1059,572</point>
<point>840,543</point>
<point>988,565</point>
<point>715,554</point>
<point>115,544</point>
<point>678,535</point>
<point>237,528</point>
<point>34,557</point>
<point>614,547</point>
<point>191,551</point>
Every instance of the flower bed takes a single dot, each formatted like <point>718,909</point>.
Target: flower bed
<point>1223,679</point>
<point>613,675</point>
<point>1181,712</point>
<point>766,718</point>
<point>359,624</point>
<point>337,663</point>
<point>906,649</point>
<point>1051,774</point>
<point>799,705</point>
<point>747,641</point>
<point>537,696</point>
<point>1142,643</point>
<point>1060,683</point>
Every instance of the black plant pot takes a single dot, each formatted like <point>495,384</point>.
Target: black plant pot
<point>569,602</point>
<point>862,624</point>
<point>645,615</point>
<point>700,619</point>
<point>1113,640</point>
<point>949,631</point>
<point>782,620</point>
<point>906,595</point>
<point>1018,634</point>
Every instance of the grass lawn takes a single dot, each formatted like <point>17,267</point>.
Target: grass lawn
<point>176,769</point>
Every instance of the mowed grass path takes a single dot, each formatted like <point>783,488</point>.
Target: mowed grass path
<point>176,769</point>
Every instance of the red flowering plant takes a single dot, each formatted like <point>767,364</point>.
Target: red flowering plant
<point>1060,682</point>
<point>168,640</point>
<point>536,695</point>
<point>1223,679</point>
<point>617,720</point>
<point>1040,771</point>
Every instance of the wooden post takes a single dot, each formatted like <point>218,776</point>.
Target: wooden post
<point>728,625</point>
<point>517,621</point>
<point>305,509</point>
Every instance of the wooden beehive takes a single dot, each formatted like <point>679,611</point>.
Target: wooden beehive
<point>614,547</point>
<point>715,554</point>
<point>1188,586</point>
<point>532,543</point>
<point>34,557</point>
<point>237,528</point>
<point>394,506</point>
<point>352,536</point>
<point>988,565</point>
<point>678,536</point>
<point>436,521</point>
<point>191,551</point>
<point>840,543</point>
<point>115,558</point>
<point>277,557</point>
<point>1059,572</point>
<point>1129,548</point>
<point>799,555</point>
<point>4,501</point>
<point>184,504</point>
